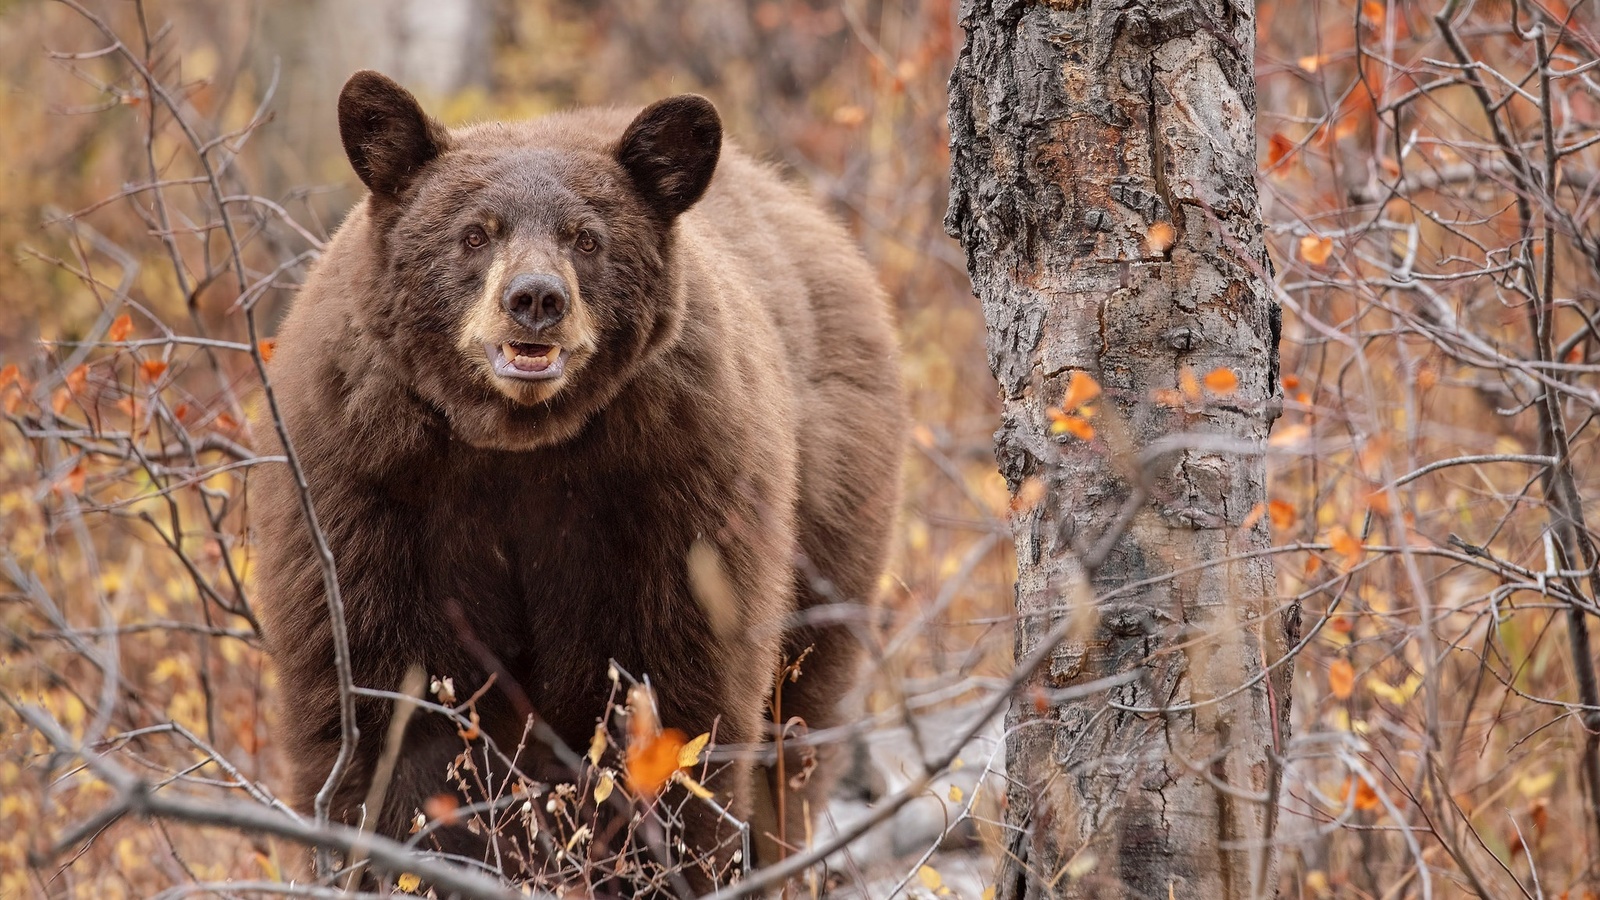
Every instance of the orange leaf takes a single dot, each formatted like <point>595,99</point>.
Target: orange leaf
<point>1315,249</point>
<point>1281,514</point>
<point>1341,678</point>
<point>226,422</point>
<point>849,115</point>
<point>183,412</point>
<point>1028,495</point>
<point>1345,544</point>
<point>652,761</point>
<point>1278,149</point>
<point>9,375</point>
<point>1081,388</point>
<point>1221,381</point>
<point>12,403</point>
<point>1341,624</point>
<point>1366,797</point>
<point>1373,12</point>
<point>78,379</point>
<point>442,807</point>
<point>1078,428</point>
<point>1041,700</point>
<point>1160,238</point>
<point>1167,397</point>
<point>1290,382</point>
<point>152,368</point>
<point>1254,516</point>
<point>121,327</point>
<point>1189,384</point>
<point>75,480</point>
<point>266,347</point>
<point>1378,502</point>
<point>60,399</point>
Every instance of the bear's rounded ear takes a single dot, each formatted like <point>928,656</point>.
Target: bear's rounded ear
<point>385,132</point>
<point>670,151</point>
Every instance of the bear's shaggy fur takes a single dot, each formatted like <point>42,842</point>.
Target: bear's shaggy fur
<point>725,387</point>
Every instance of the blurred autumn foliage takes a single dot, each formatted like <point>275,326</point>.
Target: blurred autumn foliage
<point>1430,174</point>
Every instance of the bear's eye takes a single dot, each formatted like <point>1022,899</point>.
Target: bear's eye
<point>475,237</point>
<point>586,242</point>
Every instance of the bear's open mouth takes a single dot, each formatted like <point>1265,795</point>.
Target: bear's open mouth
<point>530,362</point>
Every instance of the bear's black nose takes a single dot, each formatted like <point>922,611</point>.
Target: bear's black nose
<point>535,300</point>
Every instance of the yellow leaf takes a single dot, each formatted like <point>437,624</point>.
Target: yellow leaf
<point>597,744</point>
<point>120,329</point>
<point>930,878</point>
<point>1081,388</point>
<point>988,893</point>
<point>1395,695</point>
<point>1533,785</point>
<point>1160,237</point>
<point>408,883</point>
<point>689,754</point>
<point>1221,381</point>
<point>1289,435</point>
<point>603,789</point>
<point>694,787</point>
<point>1341,678</point>
<point>1082,864</point>
<point>955,794</point>
<point>1315,249</point>
<point>269,868</point>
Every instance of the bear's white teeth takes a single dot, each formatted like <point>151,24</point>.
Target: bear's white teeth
<point>530,357</point>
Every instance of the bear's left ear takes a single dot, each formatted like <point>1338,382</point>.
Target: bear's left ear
<point>670,150</point>
<point>385,133</point>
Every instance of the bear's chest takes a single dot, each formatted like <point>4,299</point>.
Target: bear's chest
<point>557,572</point>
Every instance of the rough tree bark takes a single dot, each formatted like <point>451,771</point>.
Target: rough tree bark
<point>1087,136</point>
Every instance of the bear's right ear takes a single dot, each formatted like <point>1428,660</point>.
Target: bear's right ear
<point>670,151</point>
<point>385,132</point>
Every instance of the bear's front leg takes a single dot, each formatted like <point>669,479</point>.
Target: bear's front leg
<point>730,704</point>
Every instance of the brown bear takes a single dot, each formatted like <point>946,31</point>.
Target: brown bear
<point>542,366</point>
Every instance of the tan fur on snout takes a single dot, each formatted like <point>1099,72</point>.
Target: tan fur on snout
<point>488,323</point>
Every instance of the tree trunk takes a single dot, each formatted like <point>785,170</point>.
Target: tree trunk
<point>1103,185</point>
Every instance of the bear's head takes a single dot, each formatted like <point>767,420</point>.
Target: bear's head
<point>523,273</point>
